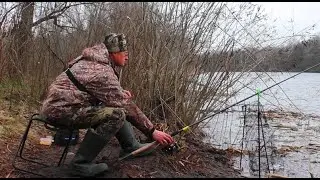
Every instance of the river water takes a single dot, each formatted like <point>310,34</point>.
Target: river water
<point>291,130</point>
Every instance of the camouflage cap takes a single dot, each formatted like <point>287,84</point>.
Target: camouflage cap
<point>116,42</point>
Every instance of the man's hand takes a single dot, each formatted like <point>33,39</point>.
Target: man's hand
<point>127,94</point>
<point>162,137</point>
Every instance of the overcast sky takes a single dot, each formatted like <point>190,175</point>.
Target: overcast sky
<point>303,15</point>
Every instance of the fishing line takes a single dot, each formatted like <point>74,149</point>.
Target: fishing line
<point>230,133</point>
<point>223,130</point>
<point>264,140</point>
<point>244,108</point>
<point>239,131</point>
<point>258,64</point>
<point>262,60</point>
<point>259,145</point>
<point>187,128</point>
<point>220,111</point>
<point>266,99</point>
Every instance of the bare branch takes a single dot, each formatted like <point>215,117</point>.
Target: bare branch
<point>55,54</point>
<point>56,13</point>
<point>5,15</point>
<point>55,22</point>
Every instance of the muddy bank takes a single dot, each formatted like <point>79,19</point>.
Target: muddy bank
<point>194,159</point>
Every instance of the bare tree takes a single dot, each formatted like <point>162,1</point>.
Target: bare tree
<point>181,54</point>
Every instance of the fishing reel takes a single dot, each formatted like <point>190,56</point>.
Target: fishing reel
<point>172,148</point>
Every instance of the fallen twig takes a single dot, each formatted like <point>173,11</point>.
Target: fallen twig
<point>7,176</point>
<point>181,163</point>
<point>187,161</point>
<point>275,176</point>
<point>8,148</point>
<point>188,157</point>
<point>153,172</point>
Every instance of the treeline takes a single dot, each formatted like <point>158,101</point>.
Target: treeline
<point>297,57</point>
<point>294,57</point>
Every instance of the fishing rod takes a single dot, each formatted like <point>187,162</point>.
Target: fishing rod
<point>186,128</point>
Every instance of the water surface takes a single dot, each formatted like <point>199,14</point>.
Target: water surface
<point>297,135</point>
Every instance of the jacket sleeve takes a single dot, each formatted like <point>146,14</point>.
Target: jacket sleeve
<point>137,118</point>
<point>106,87</point>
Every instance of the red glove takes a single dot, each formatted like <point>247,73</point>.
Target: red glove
<point>162,137</point>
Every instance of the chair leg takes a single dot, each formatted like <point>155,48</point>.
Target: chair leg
<point>22,143</point>
<point>20,152</point>
<point>65,151</point>
<point>24,138</point>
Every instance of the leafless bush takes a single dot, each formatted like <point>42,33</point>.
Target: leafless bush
<point>181,54</point>
<point>166,42</point>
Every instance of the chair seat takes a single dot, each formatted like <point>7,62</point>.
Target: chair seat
<point>53,125</point>
<point>40,117</point>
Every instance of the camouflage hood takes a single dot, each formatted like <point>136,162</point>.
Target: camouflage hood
<point>98,53</point>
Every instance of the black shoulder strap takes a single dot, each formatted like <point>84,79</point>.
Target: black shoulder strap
<point>79,85</point>
<point>114,70</point>
<point>76,82</point>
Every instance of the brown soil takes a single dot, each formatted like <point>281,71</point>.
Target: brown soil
<point>194,159</point>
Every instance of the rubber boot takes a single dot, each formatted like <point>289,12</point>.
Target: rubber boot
<point>128,141</point>
<point>81,164</point>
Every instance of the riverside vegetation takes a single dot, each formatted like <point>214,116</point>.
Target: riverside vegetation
<point>171,45</point>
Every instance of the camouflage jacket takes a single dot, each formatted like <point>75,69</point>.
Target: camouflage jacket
<point>95,73</point>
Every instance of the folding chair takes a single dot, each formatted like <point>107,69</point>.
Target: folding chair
<point>50,126</point>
